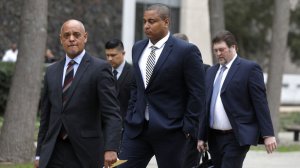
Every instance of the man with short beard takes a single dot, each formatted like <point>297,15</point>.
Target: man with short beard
<point>237,109</point>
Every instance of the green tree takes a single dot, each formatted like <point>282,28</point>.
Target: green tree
<point>251,22</point>
<point>294,35</point>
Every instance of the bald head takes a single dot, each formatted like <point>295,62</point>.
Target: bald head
<point>73,37</point>
<point>73,22</point>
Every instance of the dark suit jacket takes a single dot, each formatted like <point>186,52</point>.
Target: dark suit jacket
<point>206,66</point>
<point>243,95</point>
<point>175,92</point>
<point>91,111</point>
<point>124,85</point>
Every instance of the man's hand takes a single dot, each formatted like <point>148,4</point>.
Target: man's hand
<point>201,146</point>
<point>110,157</point>
<point>270,144</point>
<point>36,164</point>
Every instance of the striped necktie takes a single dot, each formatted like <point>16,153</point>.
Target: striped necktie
<point>69,76</point>
<point>149,69</point>
<point>150,64</point>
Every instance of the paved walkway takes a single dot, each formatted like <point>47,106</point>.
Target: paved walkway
<point>260,159</point>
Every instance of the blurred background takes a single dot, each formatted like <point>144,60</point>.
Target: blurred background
<point>267,31</point>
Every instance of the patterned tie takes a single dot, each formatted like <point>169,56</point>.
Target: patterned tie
<point>115,72</point>
<point>149,69</point>
<point>150,64</point>
<point>68,80</point>
<point>216,90</point>
<point>67,83</point>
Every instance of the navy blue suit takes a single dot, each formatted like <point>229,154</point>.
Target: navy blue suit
<point>175,95</point>
<point>243,95</point>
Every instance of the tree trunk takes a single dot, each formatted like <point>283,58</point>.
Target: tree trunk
<point>280,31</point>
<point>217,21</point>
<point>17,134</point>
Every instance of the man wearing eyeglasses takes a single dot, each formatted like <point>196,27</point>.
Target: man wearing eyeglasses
<point>237,109</point>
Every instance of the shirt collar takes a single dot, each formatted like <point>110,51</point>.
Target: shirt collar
<point>77,59</point>
<point>160,43</point>
<point>120,67</point>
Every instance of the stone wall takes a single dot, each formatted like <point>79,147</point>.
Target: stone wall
<point>102,20</point>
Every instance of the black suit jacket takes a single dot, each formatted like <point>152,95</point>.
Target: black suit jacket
<point>90,115</point>
<point>175,92</point>
<point>243,95</point>
<point>206,66</point>
<point>124,84</point>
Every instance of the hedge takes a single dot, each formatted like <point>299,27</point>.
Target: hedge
<point>6,73</point>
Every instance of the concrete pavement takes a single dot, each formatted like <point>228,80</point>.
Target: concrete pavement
<point>260,159</point>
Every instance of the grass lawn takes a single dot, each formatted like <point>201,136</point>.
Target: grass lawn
<point>28,165</point>
<point>289,119</point>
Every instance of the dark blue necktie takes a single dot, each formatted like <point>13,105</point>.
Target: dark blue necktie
<point>115,73</point>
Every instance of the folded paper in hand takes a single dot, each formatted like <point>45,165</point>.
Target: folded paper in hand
<point>118,162</point>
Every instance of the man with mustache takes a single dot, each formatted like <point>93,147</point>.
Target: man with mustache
<point>80,122</point>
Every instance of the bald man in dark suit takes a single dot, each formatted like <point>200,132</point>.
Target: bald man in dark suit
<point>80,125</point>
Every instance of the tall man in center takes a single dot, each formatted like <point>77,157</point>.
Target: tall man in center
<point>168,99</point>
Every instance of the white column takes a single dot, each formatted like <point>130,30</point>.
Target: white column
<point>194,22</point>
<point>128,27</point>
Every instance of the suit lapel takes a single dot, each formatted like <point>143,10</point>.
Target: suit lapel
<point>123,74</point>
<point>80,71</point>
<point>122,78</point>
<point>233,69</point>
<point>136,57</point>
<point>60,79</point>
<point>211,79</point>
<point>162,58</point>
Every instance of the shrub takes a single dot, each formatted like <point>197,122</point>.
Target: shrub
<point>6,73</point>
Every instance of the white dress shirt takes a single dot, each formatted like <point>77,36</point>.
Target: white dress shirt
<point>143,60</point>
<point>221,121</point>
<point>10,56</point>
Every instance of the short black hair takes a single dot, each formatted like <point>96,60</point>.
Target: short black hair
<point>163,10</point>
<point>114,43</point>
